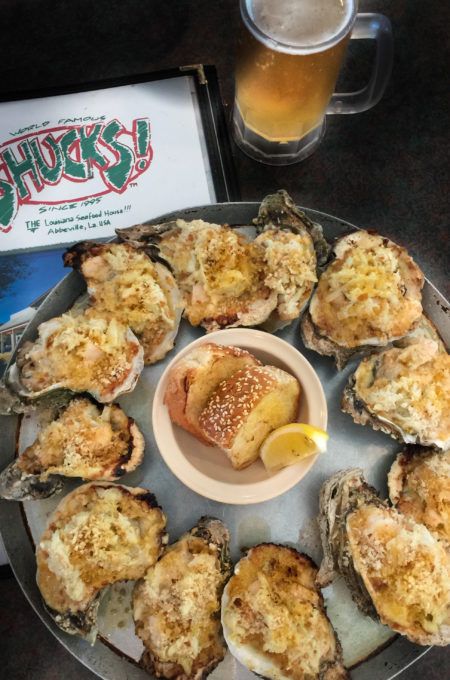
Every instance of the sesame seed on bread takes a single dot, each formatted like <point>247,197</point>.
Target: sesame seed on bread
<point>246,407</point>
<point>195,377</point>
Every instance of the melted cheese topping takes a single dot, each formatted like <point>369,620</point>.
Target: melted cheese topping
<point>124,285</point>
<point>218,270</point>
<point>425,492</point>
<point>405,570</point>
<point>274,614</point>
<point>370,294</point>
<point>82,442</point>
<point>290,266</point>
<point>102,535</point>
<point>81,354</point>
<point>409,387</point>
<point>176,606</point>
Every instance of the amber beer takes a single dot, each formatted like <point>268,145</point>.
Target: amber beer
<point>286,75</point>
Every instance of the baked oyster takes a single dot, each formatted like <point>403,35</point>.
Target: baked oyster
<point>81,440</point>
<point>79,354</point>
<point>294,247</point>
<point>124,284</point>
<point>228,280</point>
<point>405,392</point>
<point>419,487</point>
<point>99,534</point>
<point>176,605</point>
<point>368,296</point>
<point>341,494</point>
<point>386,559</point>
<point>274,619</point>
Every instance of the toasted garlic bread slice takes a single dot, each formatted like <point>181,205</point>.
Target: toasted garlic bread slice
<point>246,407</point>
<point>274,619</point>
<point>369,295</point>
<point>78,354</point>
<point>99,534</point>
<point>406,573</point>
<point>195,377</point>
<point>83,440</point>
<point>177,604</point>
<point>419,487</point>
<point>124,284</point>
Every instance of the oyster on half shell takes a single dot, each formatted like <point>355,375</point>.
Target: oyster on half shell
<point>395,562</point>
<point>405,392</point>
<point>99,534</point>
<point>81,440</point>
<point>227,279</point>
<point>368,296</point>
<point>79,354</point>
<point>274,619</point>
<point>341,494</point>
<point>124,284</point>
<point>176,605</point>
<point>419,487</point>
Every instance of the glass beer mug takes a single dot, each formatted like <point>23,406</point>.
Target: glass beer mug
<point>289,57</point>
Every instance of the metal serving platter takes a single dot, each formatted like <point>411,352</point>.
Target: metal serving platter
<point>370,650</point>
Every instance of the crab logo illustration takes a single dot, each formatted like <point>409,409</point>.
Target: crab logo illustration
<point>48,167</point>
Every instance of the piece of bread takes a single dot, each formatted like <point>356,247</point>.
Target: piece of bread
<point>195,377</point>
<point>246,407</point>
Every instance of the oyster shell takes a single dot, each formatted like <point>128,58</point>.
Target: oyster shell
<point>419,487</point>
<point>78,354</point>
<point>406,572</point>
<point>82,440</point>
<point>341,494</point>
<point>274,619</point>
<point>176,605</point>
<point>368,296</point>
<point>220,274</point>
<point>99,534</point>
<point>404,392</point>
<point>228,280</point>
<point>125,285</point>
<point>393,566</point>
<point>279,212</point>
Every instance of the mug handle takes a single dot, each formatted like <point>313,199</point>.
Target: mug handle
<point>376,27</point>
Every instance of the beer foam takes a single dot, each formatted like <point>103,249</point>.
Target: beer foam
<point>300,23</point>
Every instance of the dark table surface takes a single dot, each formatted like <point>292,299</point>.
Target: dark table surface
<point>386,169</point>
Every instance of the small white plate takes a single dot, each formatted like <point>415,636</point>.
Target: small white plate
<point>206,469</point>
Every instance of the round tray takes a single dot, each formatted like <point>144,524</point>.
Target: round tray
<point>371,650</point>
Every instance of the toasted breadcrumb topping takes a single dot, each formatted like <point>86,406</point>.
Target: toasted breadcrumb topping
<point>125,285</point>
<point>405,570</point>
<point>424,491</point>
<point>409,387</point>
<point>176,606</point>
<point>83,441</point>
<point>290,268</point>
<point>369,294</point>
<point>273,610</point>
<point>80,353</point>
<point>219,271</point>
<point>103,534</point>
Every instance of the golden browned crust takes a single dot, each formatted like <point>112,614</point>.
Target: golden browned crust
<point>100,533</point>
<point>274,616</point>
<point>87,441</point>
<point>207,360</point>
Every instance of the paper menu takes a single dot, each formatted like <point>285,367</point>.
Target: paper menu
<point>76,166</point>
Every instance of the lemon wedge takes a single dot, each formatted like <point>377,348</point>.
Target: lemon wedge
<point>292,443</point>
